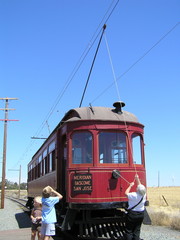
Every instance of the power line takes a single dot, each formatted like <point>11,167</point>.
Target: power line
<point>89,46</point>
<point>79,63</point>
<point>138,60</point>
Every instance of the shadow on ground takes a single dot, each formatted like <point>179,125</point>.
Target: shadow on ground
<point>23,220</point>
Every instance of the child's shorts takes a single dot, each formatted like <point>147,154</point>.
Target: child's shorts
<point>48,229</point>
<point>36,227</point>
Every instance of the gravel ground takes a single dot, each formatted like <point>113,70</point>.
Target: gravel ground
<point>149,232</point>
<point>13,217</point>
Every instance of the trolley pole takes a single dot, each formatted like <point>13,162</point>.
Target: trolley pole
<point>6,109</point>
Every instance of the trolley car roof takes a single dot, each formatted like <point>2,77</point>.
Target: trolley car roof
<point>95,113</point>
<point>99,113</point>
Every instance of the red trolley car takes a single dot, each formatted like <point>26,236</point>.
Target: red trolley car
<point>90,158</point>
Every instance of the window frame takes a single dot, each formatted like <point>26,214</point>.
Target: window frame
<point>98,149</point>
<point>85,164</point>
<point>52,156</point>
<point>141,151</point>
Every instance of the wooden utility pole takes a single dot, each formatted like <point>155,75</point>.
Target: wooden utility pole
<point>19,170</point>
<point>6,109</point>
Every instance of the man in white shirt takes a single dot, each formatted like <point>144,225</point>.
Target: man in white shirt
<point>136,201</point>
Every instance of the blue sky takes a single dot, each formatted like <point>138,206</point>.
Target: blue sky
<point>41,45</point>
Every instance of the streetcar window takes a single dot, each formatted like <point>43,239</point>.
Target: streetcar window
<point>51,146</point>
<point>45,162</point>
<point>43,167</point>
<point>136,143</point>
<point>30,173</point>
<point>33,171</point>
<point>36,168</point>
<point>82,148</point>
<point>40,166</point>
<point>51,161</point>
<point>46,168</point>
<point>45,153</point>
<point>112,147</point>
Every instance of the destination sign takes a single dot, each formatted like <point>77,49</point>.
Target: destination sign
<point>82,183</point>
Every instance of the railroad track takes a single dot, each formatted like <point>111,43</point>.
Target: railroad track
<point>21,202</point>
<point>106,231</point>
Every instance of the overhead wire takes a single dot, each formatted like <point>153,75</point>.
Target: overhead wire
<point>92,41</point>
<point>79,63</point>
<point>137,61</point>
<point>116,79</point>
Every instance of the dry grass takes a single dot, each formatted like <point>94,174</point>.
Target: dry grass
<point>15,193</point>
<point>171,195</point>
<point>164,209</point>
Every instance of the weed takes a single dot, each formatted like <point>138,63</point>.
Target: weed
<point>164,209</point>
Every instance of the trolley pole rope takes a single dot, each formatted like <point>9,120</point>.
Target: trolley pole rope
<point>115,81</point>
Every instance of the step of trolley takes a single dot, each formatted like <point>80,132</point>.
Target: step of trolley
<point>102,229</point>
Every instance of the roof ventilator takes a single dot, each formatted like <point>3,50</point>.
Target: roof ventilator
<point>118,107</point>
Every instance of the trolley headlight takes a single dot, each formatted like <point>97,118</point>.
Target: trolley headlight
<point>116,173</point>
